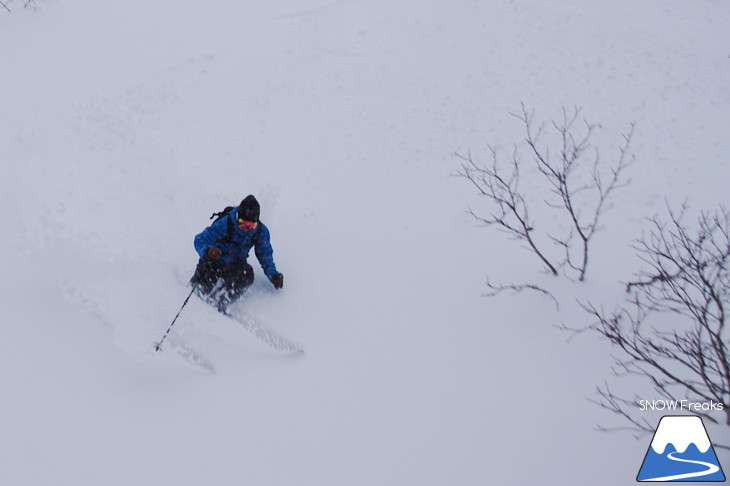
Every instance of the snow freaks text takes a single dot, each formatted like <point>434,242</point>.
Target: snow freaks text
<point>680,405</point>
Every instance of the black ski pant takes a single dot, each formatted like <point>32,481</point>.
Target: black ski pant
<point>222,283</point>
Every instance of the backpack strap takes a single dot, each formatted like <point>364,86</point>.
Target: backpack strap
<point>221,214</point>
<point>229,233</point>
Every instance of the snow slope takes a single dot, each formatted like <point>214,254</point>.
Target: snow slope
<point>124,125</point>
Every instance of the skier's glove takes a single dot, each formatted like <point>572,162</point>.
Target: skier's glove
<point>277,280</point>
<point>213,253</point>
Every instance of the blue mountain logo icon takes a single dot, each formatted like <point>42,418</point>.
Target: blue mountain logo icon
<point>681,451</point>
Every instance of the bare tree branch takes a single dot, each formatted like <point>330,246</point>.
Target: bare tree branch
<point>501,187</point>
<point>564,178</point>
<point>26,3</point>
<point>497,289</point>
<point>621,406</point>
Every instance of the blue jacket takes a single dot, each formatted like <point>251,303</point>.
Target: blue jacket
<point>240,244</point>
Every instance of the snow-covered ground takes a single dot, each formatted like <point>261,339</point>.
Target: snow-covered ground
<point>124,125</point>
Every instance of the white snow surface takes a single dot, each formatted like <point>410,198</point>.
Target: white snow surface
<point>124,125</point>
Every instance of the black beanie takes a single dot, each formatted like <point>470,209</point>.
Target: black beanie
<point>249,209</point>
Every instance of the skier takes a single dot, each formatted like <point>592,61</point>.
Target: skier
<point>223,274</point>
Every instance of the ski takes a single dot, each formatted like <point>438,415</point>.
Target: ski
<point>268,336</point>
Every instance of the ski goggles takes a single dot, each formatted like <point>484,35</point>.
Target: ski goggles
<point>247,225</point>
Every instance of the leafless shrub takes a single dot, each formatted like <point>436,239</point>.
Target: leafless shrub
<point>566,184</point>
<point>577,184</point>
<point>672,331</point>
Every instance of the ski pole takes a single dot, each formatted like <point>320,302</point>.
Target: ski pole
<point>158,346</point>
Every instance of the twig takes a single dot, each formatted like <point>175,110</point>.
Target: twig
<point>518,288</point>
